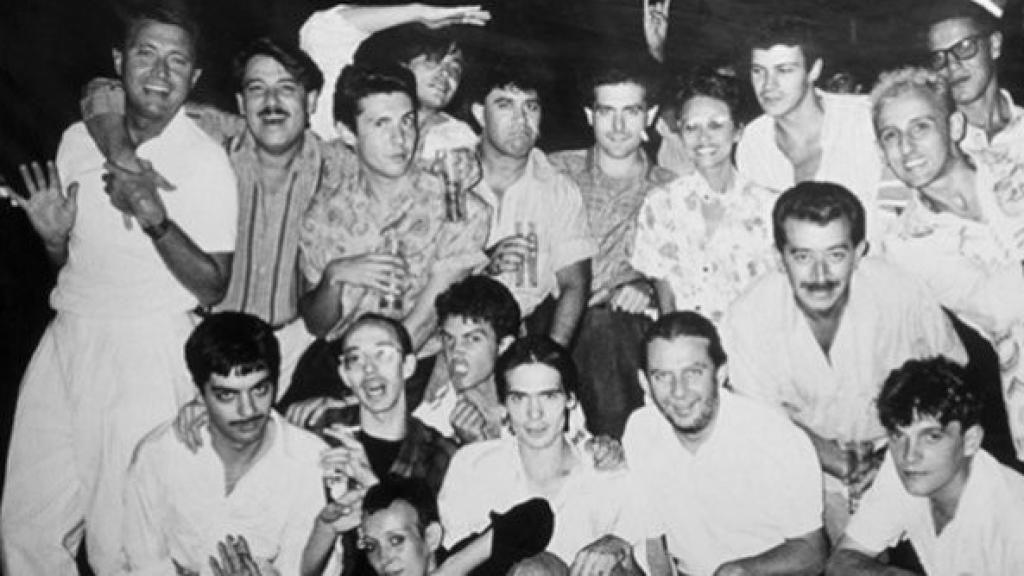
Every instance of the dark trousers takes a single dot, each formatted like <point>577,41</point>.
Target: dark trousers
<point>607,355</point>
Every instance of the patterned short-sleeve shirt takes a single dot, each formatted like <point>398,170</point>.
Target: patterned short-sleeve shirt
<point>351,220</point>
<point>708,246</point>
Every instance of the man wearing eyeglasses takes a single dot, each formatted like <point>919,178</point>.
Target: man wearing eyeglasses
<point>964,45</point>
<point>375,358</point>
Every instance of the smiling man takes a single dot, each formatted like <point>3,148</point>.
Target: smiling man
<point>818,338</point>
<point>614,177</point>
<point>959,234</point>
<point>732,485</point>
<point>255,478</point>
<point>123,300</point>
<point>961,510</point>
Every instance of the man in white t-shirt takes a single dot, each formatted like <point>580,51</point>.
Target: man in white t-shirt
<point>133,262</point>
<point>962,511</point>
<point>536,383</point>
<point>733,486</point>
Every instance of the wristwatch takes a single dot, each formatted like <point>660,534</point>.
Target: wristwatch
<point>159,230</point>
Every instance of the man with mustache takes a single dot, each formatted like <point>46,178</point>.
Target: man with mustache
<point>818,338</point>
<point>938,488</point>
<point>251,492</point>
<point>134,262</point>
<point>540,244</point>
<point>279,164</point>
<point>964,44</point>
<point>614,177</point>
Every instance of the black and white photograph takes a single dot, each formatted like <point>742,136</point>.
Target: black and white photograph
<point>512,288</point>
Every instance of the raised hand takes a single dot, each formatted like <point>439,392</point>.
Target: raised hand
<point>438,16</point>
<point>49,208</point>
<point>656,27</point>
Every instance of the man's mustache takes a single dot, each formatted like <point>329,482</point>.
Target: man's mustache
<point>820,286</point>
<point>273,111</point>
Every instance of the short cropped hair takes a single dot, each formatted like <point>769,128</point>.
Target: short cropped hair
<point>402,44</point>
<point>358,82</point>
<point>481,299</point>
<point>936,11</point>
<point>228,341</point>
<point>617,72</point>
<point>935,388</point>
<point>818,202</point>
<point>172,12</point>
<point>396,328</point>
<point>413,491</point>
<point>287,54</point>
<point>536,349</point>
<point>895,83</point>
<point>788,30</point>
<point>705,81</point>
<point>685,323</point>
<point>522,72</point>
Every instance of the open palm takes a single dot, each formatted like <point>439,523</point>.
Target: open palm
<point>51,211</point>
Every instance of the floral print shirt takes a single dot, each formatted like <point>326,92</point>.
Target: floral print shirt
<point>707,246</point>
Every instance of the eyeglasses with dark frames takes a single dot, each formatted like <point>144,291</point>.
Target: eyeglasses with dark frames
<point>965,49</point>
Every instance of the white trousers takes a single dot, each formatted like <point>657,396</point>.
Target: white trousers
<point>94,387</point>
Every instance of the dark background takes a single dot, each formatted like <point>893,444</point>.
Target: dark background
<point>50,48</point>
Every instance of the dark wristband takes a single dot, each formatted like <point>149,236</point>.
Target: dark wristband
<point>158,231</point>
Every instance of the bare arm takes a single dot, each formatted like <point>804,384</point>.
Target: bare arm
<point>803,555</point>
<point>666,297</point>
<point>422,319</point>
<point>574,285</point>
<point>852,559</point>
<point>830,454</point>
<point>371,19</point>
<point>204,275</point>
<point>321,307</point>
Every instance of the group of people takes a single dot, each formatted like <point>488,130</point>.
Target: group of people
<point>349,330</point>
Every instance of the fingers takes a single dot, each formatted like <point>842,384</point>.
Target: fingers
<point>598,297</point>
<point>630,299</point>
<point>247,562</point>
